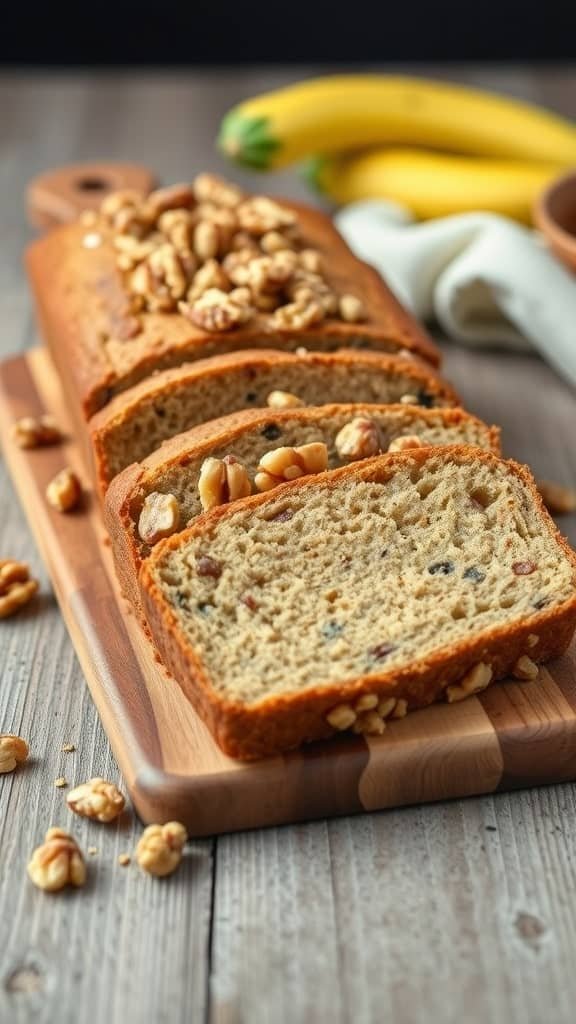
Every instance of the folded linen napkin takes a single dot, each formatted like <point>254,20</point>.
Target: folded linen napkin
<point>485,279</point>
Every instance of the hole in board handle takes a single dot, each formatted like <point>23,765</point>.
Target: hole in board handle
<point>93,185</point>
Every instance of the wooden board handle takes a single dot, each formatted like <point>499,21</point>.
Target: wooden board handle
<point>60,195</point>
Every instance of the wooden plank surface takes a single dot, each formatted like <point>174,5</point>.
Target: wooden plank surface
<point>450,912</point>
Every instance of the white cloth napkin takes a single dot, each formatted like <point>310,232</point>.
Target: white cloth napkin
<point>485,279</point>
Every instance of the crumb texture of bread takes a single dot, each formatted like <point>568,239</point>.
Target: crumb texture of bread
<point>378,574</point>
<point>136,422</point>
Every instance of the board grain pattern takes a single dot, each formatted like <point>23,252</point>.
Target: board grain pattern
<point>515,734</point>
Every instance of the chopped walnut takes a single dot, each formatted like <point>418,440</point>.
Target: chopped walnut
<point>12,572</point>
<point>274,241</point>
<point>217,311</point>
<point>297,315</point>
<point>159,849</point>
<point>96,799</point>
<point>404,443</point>
<point>271,273</point>
<point>13,751</point>
<point>367,702</point>
<point>260,215</point>
<point>358,439</point>
<point>172,197</point>
<point>206,240</point>
<point>14,596</point>
<point>290,463</point>
<point>209,188</point>
<point>222,481</point>
<point>311,260</point>
<point>341,717</point>
<point>558,499</point>
<point>160,517</point>
<point>168,272</point>
<point>36,431</point>
<point>525,668</point>
<point>210,275</point>
<point>369,724</point>
<point>283,400</point>
<point>57,863</point>
<point>64,491</point>
<point>351,309</point>
<point>477,679</point>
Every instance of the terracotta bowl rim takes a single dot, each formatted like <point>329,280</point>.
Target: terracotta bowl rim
<point>544,218</point>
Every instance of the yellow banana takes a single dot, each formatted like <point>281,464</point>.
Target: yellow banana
<point>433,184</point>
<point>346,112</point>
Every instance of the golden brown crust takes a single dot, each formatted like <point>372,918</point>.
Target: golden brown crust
<point>124,498</point>
<point>282,723</point>
<point>82,310</point>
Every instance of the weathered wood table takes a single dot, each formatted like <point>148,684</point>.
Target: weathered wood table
<point>464,911</point>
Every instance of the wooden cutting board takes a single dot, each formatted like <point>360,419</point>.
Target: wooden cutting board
<point>513,735</point>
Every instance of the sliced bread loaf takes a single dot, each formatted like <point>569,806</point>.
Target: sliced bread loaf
<point>175,468</point>
<point>341,600</point>
<point>136,422</point>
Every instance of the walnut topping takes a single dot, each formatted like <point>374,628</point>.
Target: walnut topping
<point>283,400</point>
<point>222,481</point>
<point>358,439</point>
<point>57,863</point>
<point>160,517</point>
<point>159,849</point>
<point>217,311</point>
<point>64,491</point>
<point>402,444</point>
<point>290,463</point>
<point>351,309</point>
<point>525,668</point>
<point>477,679</point>
<point>36,431</point>
<point>164,243</point>
<point>96,799</point>
<point>13,751</point>
<point>558,499</point>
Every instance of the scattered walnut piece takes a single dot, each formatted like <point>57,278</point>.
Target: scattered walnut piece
<point>16,587</point>
<point>369,724</point>
<point>159,849</point>
<point>358,439</point>
<point>68,748</point>
<point>283,400</point>
<point>61,782</point>
<point>558,499</point>
<point>525,668</point>
<point>351,309</point>
<point>124,860</point>
<point>341,717</point>
<point>222,481</point>
<point>36,431</point>
<point>475,680</point>
<point>367,702</point>
<point>57,863</point>
<point>13,751</point>
<point>96,799</point>
<point>402,444</point>
<point>160,517</point>
<point>64,491</point>
<point>290,463</point>
<point>92,851</point>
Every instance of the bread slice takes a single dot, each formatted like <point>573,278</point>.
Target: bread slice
<point>85,319</point>
<point>340,600</point>
<point>136,422</point>
<point>175,467</point>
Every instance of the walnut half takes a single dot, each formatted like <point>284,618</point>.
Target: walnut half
<point>57,863</point>
<point>160,848</point>
<point>96,799</point>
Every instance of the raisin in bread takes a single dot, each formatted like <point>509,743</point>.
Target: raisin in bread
<point>136,422</point>
<point>175,468</point>
<point>195,271</point>
<point>345,599</point>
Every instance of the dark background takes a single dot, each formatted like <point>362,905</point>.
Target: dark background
<point>99,32</point>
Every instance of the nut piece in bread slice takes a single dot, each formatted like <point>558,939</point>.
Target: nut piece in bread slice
<point>388,579</point>
<point>248,436</point>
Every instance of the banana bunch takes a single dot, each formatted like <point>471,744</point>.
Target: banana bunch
<point>437,147</point>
